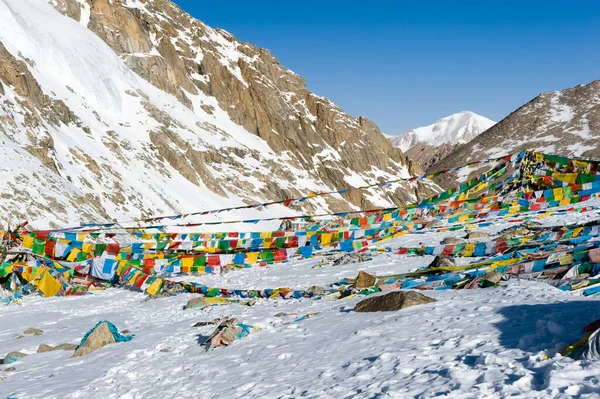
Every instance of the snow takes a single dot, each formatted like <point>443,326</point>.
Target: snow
<point>560,112</point>
<point>469,344</point>
<point>457,128</point>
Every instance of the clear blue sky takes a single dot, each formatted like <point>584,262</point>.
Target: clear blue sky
<point>405,64</point>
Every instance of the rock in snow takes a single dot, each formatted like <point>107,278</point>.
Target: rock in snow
<point>364,280</point>
<point>100,337</point>
<point>393,301</point>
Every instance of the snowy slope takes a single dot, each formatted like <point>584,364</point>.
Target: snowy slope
<point>86,139</point>
<point>478,343</point>
<point>455,129</point>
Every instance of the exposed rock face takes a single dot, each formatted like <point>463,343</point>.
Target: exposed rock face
<point>428,155</point>
<point>565,122</point>
<point>243,128</point>
<point>393,301</point>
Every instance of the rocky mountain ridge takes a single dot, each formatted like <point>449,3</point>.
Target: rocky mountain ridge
<point>131,108</point>
<point>565,122</point>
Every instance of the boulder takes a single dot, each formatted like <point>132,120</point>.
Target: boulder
<point>226,332</point>
<point>393,301</point>
<point>101,336</point>
<point>44,348</point>
<point>13,357</point>
<point>473,235</point>
<point>442,261</point>
<point>364,280</point>
<point>65,347</point>
<point>315,290</point>
<point>452,240</point>
<point>194,302</point>
<point>493,277</point>
<point>33,331</point>
<point>515,233</point>
<point>433,223</point>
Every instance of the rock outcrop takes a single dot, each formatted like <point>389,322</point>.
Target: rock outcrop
<point>217,119</point>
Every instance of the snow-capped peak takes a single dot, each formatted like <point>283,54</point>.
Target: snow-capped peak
<point>458,128</point>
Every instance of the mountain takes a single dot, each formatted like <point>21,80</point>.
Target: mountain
<point>132,108</point>
<point>429,144</point>
<point>563,122</point>
<point>459,128</point>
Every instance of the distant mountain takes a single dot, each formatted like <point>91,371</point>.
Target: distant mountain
<point>428,144</point>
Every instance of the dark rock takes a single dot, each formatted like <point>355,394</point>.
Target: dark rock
<point>442,261</point>
<point>393,301</point>
<point>364,280</point>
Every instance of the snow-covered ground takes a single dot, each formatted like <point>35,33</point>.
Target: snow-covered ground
<point>469,344</point>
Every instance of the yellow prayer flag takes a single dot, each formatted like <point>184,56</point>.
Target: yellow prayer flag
<point>28,242</point>
<point>33,274</point>
<point>469,249</point>
<point>251,257</point>
<point>73,255</point>
<point>570,178</point>
<point>326,238</point>
<point>87,248</point>
<point>49,285</point>
<point>558,193</point>
<point>154,287</point>
<point>581,164</point>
